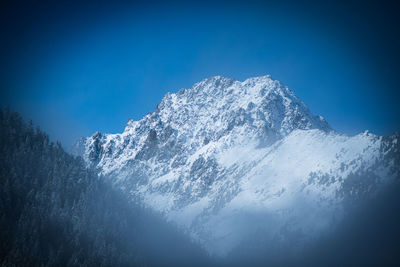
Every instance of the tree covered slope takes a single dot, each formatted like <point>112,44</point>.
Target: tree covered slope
<point>56,212</point>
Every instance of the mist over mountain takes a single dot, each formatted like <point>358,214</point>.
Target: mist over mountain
<point>226,173</point>
<point>236,163</point>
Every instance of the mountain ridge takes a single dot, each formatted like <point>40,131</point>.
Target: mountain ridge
<point>209,155</point>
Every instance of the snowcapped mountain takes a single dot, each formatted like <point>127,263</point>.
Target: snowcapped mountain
<point>228,159</point>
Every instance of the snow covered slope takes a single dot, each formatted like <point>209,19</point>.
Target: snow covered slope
<point>226,158</point>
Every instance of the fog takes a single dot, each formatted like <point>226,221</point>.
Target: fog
<point>368,235</point>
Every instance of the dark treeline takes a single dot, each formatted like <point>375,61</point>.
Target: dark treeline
<point>54,211</point>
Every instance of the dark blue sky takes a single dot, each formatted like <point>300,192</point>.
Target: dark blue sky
<point>79,68</point>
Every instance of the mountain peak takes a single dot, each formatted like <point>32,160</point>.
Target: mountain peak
<point>263,104</point>
<point>210,154</point>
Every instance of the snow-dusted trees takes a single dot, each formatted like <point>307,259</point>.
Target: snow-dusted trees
<point>54,211</point>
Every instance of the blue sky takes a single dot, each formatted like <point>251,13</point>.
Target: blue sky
<point>79,68</point>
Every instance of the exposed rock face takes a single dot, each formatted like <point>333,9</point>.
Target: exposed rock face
<point>227,158</point>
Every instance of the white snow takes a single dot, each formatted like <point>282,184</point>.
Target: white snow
<point>230,154</point>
